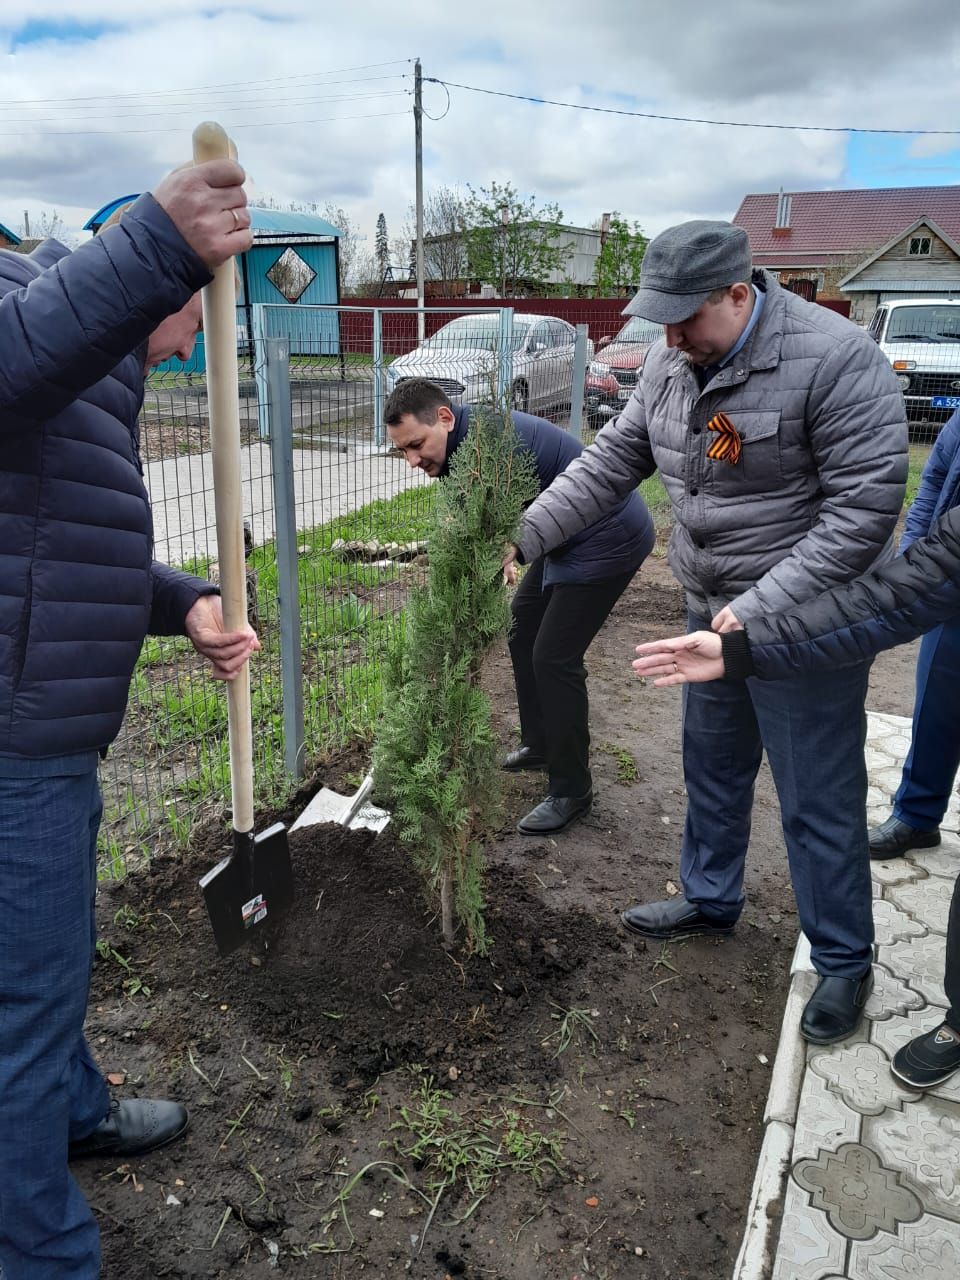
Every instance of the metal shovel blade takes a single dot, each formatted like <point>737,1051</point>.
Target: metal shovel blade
<point>352,812</point>
<point>251,885</point>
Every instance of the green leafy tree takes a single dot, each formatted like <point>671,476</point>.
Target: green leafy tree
<point>435,761</point>
<point>509,242</point>
<point>617,268</point>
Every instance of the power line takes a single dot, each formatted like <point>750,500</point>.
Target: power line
<point>204,88</point>
<point>652,115</point>
<point>229,106</point>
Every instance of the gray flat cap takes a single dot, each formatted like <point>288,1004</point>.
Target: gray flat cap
<point>684,265</point>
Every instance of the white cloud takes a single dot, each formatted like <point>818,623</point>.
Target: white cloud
<point>864,62</point>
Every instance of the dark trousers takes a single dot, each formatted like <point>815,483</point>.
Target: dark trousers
<point>931,766</point>
<point>552,630</point>
<point>951,976</point>
<point>813,729</point>
<point>50,1088</point>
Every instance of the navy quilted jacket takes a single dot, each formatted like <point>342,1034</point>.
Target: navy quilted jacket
<point>617,543</point>
<point>78,587</point>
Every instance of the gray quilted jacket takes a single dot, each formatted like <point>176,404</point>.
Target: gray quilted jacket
<point>814,498</point>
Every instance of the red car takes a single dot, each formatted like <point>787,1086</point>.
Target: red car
<point>615,368</point>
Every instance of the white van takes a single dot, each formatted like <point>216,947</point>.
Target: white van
<point>921,339</point>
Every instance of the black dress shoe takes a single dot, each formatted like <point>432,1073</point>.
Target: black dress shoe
<point>928,1060</point>
<point>523,758</point>
<point>835,1008</point>
<point>554,814</point>
<point>132,1127</point>
<point>893,838</point>
<point>675,918</point>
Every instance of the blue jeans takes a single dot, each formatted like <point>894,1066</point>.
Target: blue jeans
<point>50,1089</point>
<point>813,729</point>
<point>931,765</point>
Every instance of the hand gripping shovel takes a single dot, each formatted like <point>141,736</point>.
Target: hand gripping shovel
<point>255,882</point>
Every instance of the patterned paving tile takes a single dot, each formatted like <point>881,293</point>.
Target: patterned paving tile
<point>922,1142</point>
<point>920,961</point>
<point>861,1077</point>
<point>896,871</point>
<point>924,1250</point>
<point>892,924</point>
<point>809,1247</point>
<point>890,995</point>
<point>927,901</point>
<point>857,1192</point>
<point>942,861</point>
<point>824,1121</point>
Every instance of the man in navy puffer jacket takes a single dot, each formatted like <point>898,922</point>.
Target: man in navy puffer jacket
<point>906,598</point>
<point>934,757</point>
<point>79,591</point>
<point>563,601</point>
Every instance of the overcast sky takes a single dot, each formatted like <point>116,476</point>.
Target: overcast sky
<point>100,97</point>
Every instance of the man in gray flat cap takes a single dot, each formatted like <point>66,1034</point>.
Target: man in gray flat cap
<point>780,436</point>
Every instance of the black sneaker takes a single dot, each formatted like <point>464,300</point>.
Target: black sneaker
<point>928,1060</point>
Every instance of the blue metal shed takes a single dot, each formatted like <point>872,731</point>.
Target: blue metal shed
<point>294,262</point>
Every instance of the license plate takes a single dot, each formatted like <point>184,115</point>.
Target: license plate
<point>945,402</point>
<point>624,393</point>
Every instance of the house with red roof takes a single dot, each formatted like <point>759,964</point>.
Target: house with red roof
<point>865,247</point>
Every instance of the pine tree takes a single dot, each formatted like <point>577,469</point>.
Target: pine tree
<point>435,762</point>
<point>382,246</point>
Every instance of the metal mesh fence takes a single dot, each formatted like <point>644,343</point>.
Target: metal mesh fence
<point>335,520</point>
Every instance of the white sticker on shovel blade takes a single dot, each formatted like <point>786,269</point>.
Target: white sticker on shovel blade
<point>254,911</point>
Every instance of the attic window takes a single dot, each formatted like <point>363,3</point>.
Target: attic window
<point>919,246</point>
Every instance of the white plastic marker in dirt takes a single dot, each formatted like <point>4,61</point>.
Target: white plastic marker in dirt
<point>348,811</point>
<point>255,882</point>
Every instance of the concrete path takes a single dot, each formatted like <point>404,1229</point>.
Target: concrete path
<point>858,1175</point>
<point>328,481</point>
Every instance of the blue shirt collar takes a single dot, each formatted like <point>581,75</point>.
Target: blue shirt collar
<point>758,297</point>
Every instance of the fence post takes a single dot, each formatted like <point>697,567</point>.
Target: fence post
<point>505,365</point>
<point>258,361</point>
<point>378,430</point>
<point>276,353</point>
<point>579,382</point>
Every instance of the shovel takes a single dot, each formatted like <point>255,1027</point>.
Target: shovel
<point>254,883</point>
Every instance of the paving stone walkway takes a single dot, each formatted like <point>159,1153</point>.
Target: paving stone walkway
<point>858,1175</point>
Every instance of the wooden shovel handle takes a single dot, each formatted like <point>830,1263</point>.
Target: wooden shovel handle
<point>220,344</point>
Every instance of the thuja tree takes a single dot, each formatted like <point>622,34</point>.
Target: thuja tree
<point>435,761</point>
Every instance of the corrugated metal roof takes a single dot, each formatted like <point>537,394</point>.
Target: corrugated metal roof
<point>281,222</point>
<point>832,222</point>
<point>270,222</point>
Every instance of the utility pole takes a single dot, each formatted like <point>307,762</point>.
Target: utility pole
<point>418,135</point>
<point>26,223</point>
<point>604,232</point>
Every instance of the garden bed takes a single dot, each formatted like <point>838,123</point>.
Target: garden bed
<point>576,1104</point>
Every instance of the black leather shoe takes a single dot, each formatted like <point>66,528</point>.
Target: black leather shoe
<point>928,1060</point>
<point>133,1127</point>
<point>893,838</point>
<point>523,758</point>
<point>555,814</point>
<point>835,1008</point>
<point>675,918</point>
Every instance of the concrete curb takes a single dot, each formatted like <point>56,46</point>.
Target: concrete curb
<point>758,1248</point>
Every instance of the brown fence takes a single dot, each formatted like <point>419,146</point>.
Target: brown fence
<point>603,316</point>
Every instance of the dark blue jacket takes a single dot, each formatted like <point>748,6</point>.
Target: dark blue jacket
<point>78,587</point>
<point>617,543</point>
<point>906,598</point>
<point>939,485</point>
